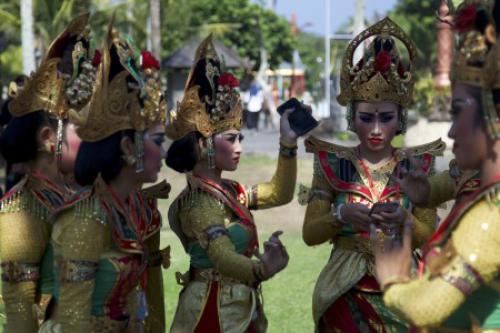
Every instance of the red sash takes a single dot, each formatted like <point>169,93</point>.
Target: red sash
<point>222,194</point>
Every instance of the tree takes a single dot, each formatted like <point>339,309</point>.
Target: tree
<point>240,24</point>
<point>418,19</point>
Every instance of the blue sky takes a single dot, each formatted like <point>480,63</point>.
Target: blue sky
<point>312,12</point>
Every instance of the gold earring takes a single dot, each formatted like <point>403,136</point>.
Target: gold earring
<point>47,147</point>
<point>130,160</point>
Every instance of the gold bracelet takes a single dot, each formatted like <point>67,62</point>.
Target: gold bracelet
<point>396,279</point>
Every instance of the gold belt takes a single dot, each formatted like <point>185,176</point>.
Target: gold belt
<point>361,245</point>
<point>210,274</point>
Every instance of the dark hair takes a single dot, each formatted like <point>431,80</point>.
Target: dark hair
<point>101,157</point>
<point>476,93</point>
<point>18,142</point>
<point>182,155</point>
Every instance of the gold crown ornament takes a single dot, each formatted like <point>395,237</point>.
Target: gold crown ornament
<point>55,89</point>
<point>51,90</point>
<point>380,75</point>
<point>473,45</point>
<point>477,59</point>
<point>130,99</point>
<point>211,103</point>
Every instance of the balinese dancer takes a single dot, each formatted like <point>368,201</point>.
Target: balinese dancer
<point>458,288</point>
<point>104,238</point>
<point>35,137</point>
<point>349,181</point>
<point>212,215</point>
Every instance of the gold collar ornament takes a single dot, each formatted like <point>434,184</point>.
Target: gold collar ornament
<point>50,88</point>
<point>211,102</point>
<point>477,58</point>
<point>130,99</point>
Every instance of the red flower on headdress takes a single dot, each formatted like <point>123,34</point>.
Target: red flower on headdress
<point>466,18</point>
<point>228,79</point>
<point>149,61</point>
<point>383,62</point>
<point>96,60</point>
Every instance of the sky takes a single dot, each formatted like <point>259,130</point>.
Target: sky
<point>311,13</point>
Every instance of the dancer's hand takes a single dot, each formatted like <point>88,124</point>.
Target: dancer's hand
<point>357,215</point>
<point>288,136</point>
<point>274,259</point>
<point>390,222</point>
<point>414,183</point>
<point>392,255</point>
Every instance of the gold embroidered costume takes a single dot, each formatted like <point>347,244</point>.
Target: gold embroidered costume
<point>26,210</point>
<point>458,290</point>
<point>106,249</point>
<point>212,219</point>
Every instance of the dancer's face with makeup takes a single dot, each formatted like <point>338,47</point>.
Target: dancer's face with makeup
<point>228,149</point>
<point>376,124</point>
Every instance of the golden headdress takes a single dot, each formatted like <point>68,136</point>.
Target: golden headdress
<point>477,59</point>
<point>380,75</point>
<point>127,93</point>
<point>474,42</point>
<point>54,87</point>
<point>211,102</point>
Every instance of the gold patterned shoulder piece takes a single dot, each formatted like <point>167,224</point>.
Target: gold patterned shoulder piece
<point>380,75</point>
<point>86,206</point>
<point>21,199</point>
<point>435,148</point>
<point>157,191</point>
<point>315,145</point>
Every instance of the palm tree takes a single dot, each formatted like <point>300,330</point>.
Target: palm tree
<point>154,10</point>
<point>27,36</point>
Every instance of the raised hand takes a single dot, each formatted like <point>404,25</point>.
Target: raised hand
<point>414,183</point>
<point>274,259</point>
<point>288,136</point>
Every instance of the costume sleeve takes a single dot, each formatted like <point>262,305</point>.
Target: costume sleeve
<point>319,223</point>
<point>279,191</point>
<point>78,244</point>
<point>155,321</point>
<point>473,260</point>
<point>442,188</point>
<point>23,240</point>
<point>424,224</point>
<point>205,220</point>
